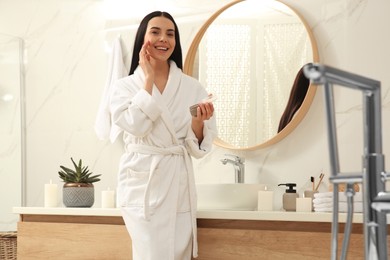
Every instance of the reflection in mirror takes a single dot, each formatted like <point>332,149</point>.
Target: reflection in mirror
<point>11,133</point>
<point>248,54</point>
<point>297,96</point>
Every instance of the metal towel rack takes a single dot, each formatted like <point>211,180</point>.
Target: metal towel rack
<point>376,201</point>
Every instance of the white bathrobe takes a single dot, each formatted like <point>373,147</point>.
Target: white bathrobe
<point>156,186</point>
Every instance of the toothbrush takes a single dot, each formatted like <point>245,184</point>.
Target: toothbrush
<point>321,177</point>
<point>312,181</point>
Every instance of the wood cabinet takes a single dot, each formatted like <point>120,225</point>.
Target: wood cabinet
<point>46,236</point>
<point>254,240</point>
<point>72,237</point>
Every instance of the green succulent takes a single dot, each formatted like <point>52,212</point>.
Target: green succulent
<point>80,174</point>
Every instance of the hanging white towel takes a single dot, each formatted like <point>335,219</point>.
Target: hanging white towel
<point>103,126</point>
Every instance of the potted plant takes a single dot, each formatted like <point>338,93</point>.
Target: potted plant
<point>78,190</point>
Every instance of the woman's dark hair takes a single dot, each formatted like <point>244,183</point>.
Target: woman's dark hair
<point>139,41</point>
<point>297,95</point>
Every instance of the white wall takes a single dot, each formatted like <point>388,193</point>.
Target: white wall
<point>66,68</point>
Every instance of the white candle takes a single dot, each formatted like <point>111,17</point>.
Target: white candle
<point>51,195</point>
<point>303,204</point>
<point>265,200</point>
<point>108,198</point>
<point>310,194</point>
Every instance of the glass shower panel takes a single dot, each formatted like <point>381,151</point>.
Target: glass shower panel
<point>11,130</point>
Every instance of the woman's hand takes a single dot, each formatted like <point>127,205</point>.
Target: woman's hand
<point>204,112</point>
<point>144,62</point>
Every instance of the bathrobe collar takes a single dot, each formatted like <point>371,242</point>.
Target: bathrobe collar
<point>171,87</point>
<point>168,95</point>
<point>173,83</point>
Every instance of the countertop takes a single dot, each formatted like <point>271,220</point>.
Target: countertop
<point>201,214</point>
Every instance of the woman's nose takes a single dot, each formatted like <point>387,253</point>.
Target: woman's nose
<point>163,39</point>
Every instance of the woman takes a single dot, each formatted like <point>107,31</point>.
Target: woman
<point>156,187</point>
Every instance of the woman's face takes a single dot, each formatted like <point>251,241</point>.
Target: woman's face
<point>161,35</point>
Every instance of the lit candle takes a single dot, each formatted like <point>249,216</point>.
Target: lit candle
<point>265,200</point>
<point>51,195</point>
<point>108,198</point>
<point>303,204</point>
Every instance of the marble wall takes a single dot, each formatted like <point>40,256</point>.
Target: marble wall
<point>66,47</point>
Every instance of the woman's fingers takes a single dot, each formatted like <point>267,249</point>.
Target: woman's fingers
<point>206,110</point>
<point>144,54</point>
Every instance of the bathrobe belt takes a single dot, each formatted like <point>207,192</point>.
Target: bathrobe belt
<point>176,150</point>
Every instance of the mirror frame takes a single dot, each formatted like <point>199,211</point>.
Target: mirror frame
<point>300,114</point>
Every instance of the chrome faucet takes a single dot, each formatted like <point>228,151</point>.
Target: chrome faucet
<point>239,166</point>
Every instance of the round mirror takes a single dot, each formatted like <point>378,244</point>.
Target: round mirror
<point>248,54</point>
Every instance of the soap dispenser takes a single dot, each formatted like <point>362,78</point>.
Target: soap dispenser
<point>289,197</point>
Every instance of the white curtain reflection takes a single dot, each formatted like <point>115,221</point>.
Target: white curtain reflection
<point>229,77</point>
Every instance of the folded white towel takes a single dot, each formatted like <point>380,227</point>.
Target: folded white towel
<point>323,205</point>
<point>329,195</point>
<point>323,195</point>
<point>103,126</point>
<point>343,207</point>
<point>322,200</point>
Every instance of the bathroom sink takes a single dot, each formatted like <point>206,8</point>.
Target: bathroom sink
<point>234,196</point>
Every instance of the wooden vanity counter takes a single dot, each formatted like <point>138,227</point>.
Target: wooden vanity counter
<point>94,233</point>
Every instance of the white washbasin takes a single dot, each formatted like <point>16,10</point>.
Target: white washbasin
<point>234,196</point>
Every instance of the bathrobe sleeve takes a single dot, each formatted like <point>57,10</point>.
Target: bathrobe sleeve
<point>199,150</point>
<point>133,109</point>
